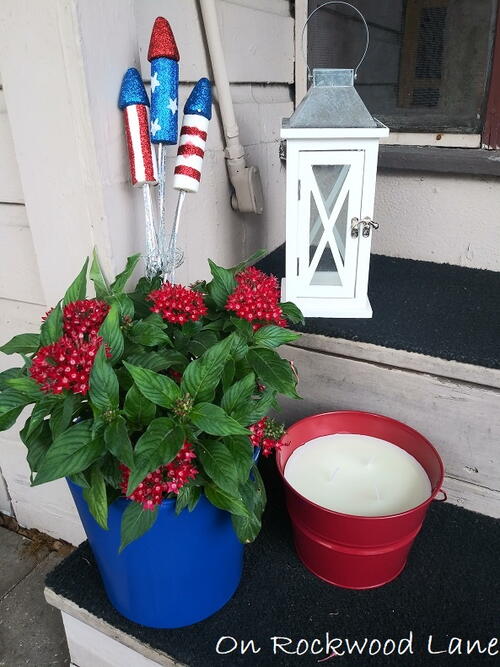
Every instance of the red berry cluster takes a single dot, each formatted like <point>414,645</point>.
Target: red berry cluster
<point>178,304</point>
<point>267,434</point>
<point>82,319</point>
<point>65,364</point>
<point>256,299</point>
<point>166,479</point>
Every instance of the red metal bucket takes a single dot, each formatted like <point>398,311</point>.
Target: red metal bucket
<point>357,551</point>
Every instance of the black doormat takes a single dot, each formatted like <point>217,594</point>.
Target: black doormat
<point>440,310</point>
<point>449,589</point>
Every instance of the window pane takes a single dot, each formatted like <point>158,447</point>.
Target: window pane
<point>427,65</point>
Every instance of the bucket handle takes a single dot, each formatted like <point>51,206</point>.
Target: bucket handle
<point>444,498</point>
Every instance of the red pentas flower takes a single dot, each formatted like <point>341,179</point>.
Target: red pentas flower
<point>178,304</point>
<point>267,434</point>
<point>166,479</point>
<point>82,319</point>
<point>256,299</point>
<point>65,364</point>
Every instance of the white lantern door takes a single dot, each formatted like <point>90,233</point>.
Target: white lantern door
<point>330,196</point>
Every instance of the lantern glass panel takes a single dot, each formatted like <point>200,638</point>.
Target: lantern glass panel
<point>328,223</point>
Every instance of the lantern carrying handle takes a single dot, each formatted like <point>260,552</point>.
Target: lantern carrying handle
<point>336,2</point>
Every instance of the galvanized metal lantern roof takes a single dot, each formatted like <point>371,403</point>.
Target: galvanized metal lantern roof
<point>331,101</point>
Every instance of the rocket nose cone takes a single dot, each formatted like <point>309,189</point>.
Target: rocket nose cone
<point>200,100</point>
<point>162,43</point>
<point>132,90</point>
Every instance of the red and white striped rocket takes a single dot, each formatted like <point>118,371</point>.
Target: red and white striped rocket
<point>193,137</point>
<point>134,102</point>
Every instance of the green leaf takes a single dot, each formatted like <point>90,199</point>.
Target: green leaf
<point>103,385</point>
<point>9,374</point>
<point>22,344</point>
<point>228,374</point>
<point>78,288</point>
<point>274,336</point>
<point>246,527</point>
<point>218,464</point>
<point>155,387</point>
<point>188,496</point>
<point>37,440</point>
<point>241,450</point>
<point>238,395</point>
<point>121,279</point>
<point>201,342</point>
<point>137,409</point>
<point>275,372</point>
<point>243,327</point>
<point>225,501</point>
<point>118,442</point>
<point>158,361</point>
<point>97,277</point>
<point>125,305</point>
<point>12,403</point>
<point>259,254</point>
<point>96,497</point>
<point>148,334</point>
<point>111,332</point>
<point>254,496</point>
<point>110,471</point>
<point>71,452</point>
<point>222,285</point>
<point>157,446</point>
<point>26,385</point>
<point>41,410</point>
<point>213,420</point>
<point>135,522</point>
<point>202,376</point>
<point>292,313</point>
<point>256,409</point>
<point>52,328</point>
<point>62,414</point>
<point>79,479</point>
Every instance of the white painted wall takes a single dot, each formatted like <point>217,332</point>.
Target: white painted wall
<point>439,218</point>
<point>64,179</point>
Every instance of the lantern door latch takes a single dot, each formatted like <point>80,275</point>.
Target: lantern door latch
<point>367,223</point>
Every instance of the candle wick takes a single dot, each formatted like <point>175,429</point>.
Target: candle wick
<point>332,476</point>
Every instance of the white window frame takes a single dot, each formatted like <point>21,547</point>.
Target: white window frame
<point>443,139</point>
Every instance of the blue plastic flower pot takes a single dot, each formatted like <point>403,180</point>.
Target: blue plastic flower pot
<point>180,572</point>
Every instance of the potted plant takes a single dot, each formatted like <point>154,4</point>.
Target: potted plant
<point>153,405</point>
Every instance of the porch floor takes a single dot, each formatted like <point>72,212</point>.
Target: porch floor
<point>438,310</point>
<point>449,588</point>
<point>30,632</point>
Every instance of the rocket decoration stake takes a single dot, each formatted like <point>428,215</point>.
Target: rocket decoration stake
<point>164,58</point>
<point>134,103</point>
<point>197,114</point>
<point>190,154</point>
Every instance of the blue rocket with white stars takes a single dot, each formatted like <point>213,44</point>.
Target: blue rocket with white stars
<point>164,58</point>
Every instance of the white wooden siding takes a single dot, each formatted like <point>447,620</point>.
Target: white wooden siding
<point>257,38</point>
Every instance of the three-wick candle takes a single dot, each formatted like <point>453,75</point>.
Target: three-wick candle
<point>357,474</point>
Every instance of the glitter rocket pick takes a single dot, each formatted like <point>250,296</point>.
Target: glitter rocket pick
<point>197,114</point>
<point>190,154</point>
<point>164,58</point>
<point>134,103</point>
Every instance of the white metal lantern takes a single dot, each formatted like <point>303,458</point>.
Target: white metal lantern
<point>332,150</point>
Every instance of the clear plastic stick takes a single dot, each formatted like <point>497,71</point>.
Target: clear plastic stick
<point>153,264</point>
<point>162,226</point>
<point>173,257</point>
